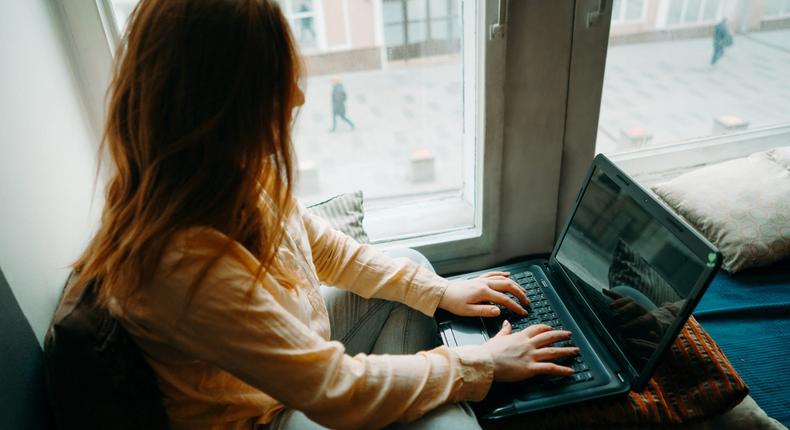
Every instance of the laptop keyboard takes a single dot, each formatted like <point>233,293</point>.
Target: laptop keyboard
<point>541,312</point>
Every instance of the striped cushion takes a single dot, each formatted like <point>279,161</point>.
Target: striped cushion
<point>344,213</point>
<point>694,380</point>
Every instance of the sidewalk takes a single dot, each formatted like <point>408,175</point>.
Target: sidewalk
<point>671,90</point>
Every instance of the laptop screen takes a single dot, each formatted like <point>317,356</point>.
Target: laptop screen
<point>633,271</point>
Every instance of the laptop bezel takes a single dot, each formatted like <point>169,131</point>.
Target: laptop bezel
<point>693,240</point>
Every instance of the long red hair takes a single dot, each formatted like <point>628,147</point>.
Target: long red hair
<point>198,128</point>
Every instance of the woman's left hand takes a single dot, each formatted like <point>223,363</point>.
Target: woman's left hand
<point>479,296</point>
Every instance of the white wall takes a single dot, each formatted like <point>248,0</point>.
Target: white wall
<point>46,159</point>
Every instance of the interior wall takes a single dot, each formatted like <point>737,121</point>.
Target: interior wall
<point>46,159</point>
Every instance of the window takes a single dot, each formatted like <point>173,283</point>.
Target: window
<point>628,11</point>
<point>678,97</point>
<point>691,12</point>
<point>392,90</point>
<point>304,17</point>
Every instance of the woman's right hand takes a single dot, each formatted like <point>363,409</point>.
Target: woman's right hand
<point>522,355</point>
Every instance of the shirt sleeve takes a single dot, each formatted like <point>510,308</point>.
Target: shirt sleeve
<point>343,262</point>
<point>234,322</point>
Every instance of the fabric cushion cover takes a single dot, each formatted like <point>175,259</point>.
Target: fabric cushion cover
<point>742,206</point>
<point>344,213</point>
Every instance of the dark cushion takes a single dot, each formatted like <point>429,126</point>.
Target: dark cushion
<point>96,375</point>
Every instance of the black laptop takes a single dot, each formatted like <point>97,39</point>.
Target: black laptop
<point>624,276</point>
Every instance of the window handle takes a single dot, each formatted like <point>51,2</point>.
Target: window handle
<point>498,28</point>
<point>594,18</point>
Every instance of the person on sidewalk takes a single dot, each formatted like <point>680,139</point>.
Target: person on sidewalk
<point>721,39</point>
<point>339,103</point>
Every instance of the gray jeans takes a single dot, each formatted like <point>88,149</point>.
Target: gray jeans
<point>376,326</point>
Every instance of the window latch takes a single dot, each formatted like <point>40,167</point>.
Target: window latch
<point>498,28</point>
<point>594,18</point>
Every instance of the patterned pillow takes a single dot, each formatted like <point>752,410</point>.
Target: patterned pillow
<point>630,269</point>
<point>344,213</point>
<point>693,381</point>
<point>742,206</point>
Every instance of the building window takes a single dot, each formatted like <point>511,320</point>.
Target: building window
<point>304,17</point>
<point>414,28</point>
<point>627,11</point>
<point>391,89</point>
<point>691,12</point>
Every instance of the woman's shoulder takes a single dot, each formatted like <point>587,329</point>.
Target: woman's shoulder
<point>200,245</point>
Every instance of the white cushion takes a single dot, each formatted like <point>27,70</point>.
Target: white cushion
<point>742,206</point>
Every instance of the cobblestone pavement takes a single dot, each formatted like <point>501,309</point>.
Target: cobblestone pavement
<point>669,89</point>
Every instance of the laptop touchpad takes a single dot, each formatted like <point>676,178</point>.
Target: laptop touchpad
<point>468,332</point>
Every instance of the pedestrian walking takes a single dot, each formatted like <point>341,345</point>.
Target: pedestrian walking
<point>721,39</point>
<point>339,104</point>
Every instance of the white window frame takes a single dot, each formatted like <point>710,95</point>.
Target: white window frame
<point>92,34</point>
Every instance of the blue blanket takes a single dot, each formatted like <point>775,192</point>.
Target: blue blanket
<point>748,315</point>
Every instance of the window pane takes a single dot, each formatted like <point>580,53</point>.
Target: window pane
<point>394,34</point>
<point>692,11</point>
<point>675,11</point>
<point>385,117</point>
<point>439,8</point>
<point>634,10</point>
<point>616,10</point>
<point>694,84</point>
<point>418,31</point>
<point>392,11</point>
<point>711,7</point>
<point>439,29</point>
<point>416,9</point>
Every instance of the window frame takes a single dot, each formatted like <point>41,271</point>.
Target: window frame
<point>93,33</point>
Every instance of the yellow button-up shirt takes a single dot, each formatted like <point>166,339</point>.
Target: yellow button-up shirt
<point>241,349</point>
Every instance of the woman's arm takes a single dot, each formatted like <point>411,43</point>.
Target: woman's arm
<point>341,261</point>
<point>237,324</point>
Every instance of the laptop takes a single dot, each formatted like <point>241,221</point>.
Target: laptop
<point>623,277</point>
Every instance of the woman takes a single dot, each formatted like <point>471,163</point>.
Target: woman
<point>214,269</point>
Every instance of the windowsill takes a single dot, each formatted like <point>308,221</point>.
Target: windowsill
<point>431,222</point>
<point>659,163</point>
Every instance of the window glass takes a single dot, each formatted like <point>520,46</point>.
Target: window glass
<point>723,72</point>
<point>634,10</point>
<point>616,10</point>
<point>692,10</point>
<point>384,109</point>
<point>711,9</point>
<point>675,11</point>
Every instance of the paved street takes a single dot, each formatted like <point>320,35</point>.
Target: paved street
<point>668,89</point>
<point>671,90</point>
<point>395,112</point>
